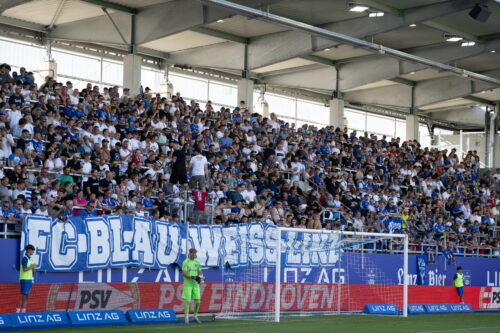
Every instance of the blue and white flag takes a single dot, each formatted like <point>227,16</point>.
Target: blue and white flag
<point>113,241</point>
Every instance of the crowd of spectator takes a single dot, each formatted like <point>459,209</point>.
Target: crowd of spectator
<point>69,152</point>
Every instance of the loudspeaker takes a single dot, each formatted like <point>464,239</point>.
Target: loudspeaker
<point>480,13</point>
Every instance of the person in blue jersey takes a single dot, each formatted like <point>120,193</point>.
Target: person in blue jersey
<point>89,211</point>
<point>26,277</point>
<point>458,281</point>
<point>148,203</point>
<point>194,128</point>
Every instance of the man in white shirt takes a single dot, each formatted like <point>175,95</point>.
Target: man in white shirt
<point>249,194</point>
<point>135,142</point>
<point>43,209</point>
<point>280,152</point>
<point>297,169</point>
<point>7,142</point>
<point>74,98</point>
<point>14,115</point>
<point>199,169</point>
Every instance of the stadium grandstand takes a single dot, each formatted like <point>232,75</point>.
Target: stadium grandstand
<point>374,120</point>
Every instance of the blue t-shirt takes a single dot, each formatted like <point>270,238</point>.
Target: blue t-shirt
<point>110,202</point>
<point>192,128</point>
<point>226,141</point>
<point>85,213</point>
<point>390,209</point>
<point>147,203</point>
<point>104,114</point>
<point>16,158</point>
<point>39,146</point>
<point>24,261</point>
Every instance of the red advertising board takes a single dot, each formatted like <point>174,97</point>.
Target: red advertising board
<point>236,295</point>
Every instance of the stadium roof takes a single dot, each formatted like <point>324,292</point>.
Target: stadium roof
<point>202,34</point>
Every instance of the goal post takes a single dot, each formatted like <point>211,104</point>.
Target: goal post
<point>316,272</point>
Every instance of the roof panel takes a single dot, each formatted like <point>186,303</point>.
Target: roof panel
<point>492,95</point>
<point>74,10</point>
<point>245,27</point>
<point>315,12</point>
<point>39,11</point>
<point>463,22</point>
<point>182,41</point>
<point>425,74</point>
<point>451,102</point>
<point>343,52</point>
<point>296,62</point>
<point>43,11</point>
<point>138,3</point>
<point>379,84</point>
<point>398,4</point>
<point>407,37</point>
<point>482,62</point>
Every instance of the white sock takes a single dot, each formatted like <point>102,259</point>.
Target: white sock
<point>18,310</point>
<point>23,310</point>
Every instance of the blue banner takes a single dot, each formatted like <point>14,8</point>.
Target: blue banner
<point>151,315</point>
<point>421,266</point>
<point>37,319</point>
<point>126,241</point>
<point>4,320</point>
<point>381,309</point>
<point>101,317</point>
<point>416,309</point>
<point>62,259</point>
<point>448,308</point>
<point>393,223</point>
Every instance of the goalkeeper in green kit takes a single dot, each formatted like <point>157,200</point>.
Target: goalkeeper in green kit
<point>191,271</point>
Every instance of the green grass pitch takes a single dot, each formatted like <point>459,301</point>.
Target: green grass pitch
<point>436,323</point>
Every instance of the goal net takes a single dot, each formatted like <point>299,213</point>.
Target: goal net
<point>316,272</point>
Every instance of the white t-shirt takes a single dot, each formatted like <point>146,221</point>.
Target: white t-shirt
<point>198,162</point>
<point>249,196</point>
<point>42,212</point>
<point>74,99</point>
<point>299,169</point>
<point>87,167</point>
<point>14,117</point>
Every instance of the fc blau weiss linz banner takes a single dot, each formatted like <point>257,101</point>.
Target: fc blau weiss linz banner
<point>82,244</point>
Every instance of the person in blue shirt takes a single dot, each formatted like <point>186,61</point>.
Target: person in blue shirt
<point>439,229</point>
<point>390,208</point>
<point>38,144</point>
<point>16,157</point>
<point>226,140</point>
<point>26,277</point>
<point>365,203</point>
<point>103,113</point>
<point>195,130</point>
<point>458,281</point>
<point>108,201</point>
<point>148,203</point>
<point>89,211</point>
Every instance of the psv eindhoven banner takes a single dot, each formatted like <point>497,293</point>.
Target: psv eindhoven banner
<point>217,296</point>
<point>114,241</point>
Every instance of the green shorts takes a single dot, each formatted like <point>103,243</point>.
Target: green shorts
<point>191,291</point>
<point>197,182</point>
